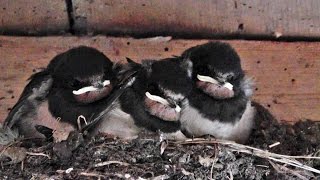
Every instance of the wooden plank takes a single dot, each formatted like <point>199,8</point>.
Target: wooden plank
<point>198,19</point>
<point>33,17</point>
<point>286,74</point>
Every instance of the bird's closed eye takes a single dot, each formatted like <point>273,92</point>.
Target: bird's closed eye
<point>205,70</point>
<point>153,89</point>
<point>230,77</point>
<point>75,83</point>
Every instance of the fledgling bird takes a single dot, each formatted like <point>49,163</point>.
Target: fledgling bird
<point>153,102</point>
<point>219,104</point>
<point>74,84</point>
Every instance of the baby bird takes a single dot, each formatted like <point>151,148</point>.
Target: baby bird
<point>153,102</point>
<point>73,84</point>
<point>219,104</point>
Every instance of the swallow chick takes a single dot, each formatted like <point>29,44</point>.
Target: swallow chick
<point>61,97</point>
<point>219,104</point>
<point>152,102</point>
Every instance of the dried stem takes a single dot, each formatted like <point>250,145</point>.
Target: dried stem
<point>285,159</point>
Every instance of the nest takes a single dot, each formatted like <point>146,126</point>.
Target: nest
<point>274,151</point>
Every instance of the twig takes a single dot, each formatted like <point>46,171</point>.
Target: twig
<point>291,160</point>
<point>295,164</point>
<point>213,162</point>
<point>163,146</point>
<point>111,162</point>
<point>91,175</point>
<point>231,175</point>
<point>22,165</point>
<point>125,176</point>
<point>38,154</point>
<point>283,169</point>
<point>274,144</point>
<point>79,121</point>
<point>211,170</point>
<point>240,146</point>
<point>264,166</point>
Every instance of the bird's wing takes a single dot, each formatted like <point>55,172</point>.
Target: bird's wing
<point>127,80</point>
<point>36,90</point>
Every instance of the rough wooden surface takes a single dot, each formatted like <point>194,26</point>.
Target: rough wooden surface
<point>187,18</point>
<point>194,18</point>
<point>33,17</point>
<point>286,74</point>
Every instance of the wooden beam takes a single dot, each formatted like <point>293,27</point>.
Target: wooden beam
<point>33,17</point>
<point>190,18</point>
<point>199,19</point>
<point>286,74</point>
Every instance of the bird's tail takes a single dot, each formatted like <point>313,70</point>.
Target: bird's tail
<point>7,135</point>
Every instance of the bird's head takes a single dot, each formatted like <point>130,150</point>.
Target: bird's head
<point>162,86</point>
<point>84,75</point>
<point>216,69</point>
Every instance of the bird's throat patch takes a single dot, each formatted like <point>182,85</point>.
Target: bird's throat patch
<point>215,90</point>
<point>92,96</point>
<point>161,111</point>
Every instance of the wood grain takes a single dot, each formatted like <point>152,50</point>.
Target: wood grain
<point>287,75</point>
<point>33,17</point>
<point>141,18</point>
<point>199,19</point>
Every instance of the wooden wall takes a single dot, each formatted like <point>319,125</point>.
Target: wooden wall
<point>194,18</point>
<point>179,18</point>
<point>287,74</point>
<point>33,17</point>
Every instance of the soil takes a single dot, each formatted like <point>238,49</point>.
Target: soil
<point>104,157</point>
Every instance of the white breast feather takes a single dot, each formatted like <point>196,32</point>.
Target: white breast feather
<point>118,123</point>
<point>197,125</point>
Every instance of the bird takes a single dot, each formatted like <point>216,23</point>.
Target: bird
<point>71,89</point>
<point>152,102</point>
<point>220,101</point>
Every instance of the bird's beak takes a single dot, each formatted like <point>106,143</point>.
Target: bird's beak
<point>214,81</point>
<point>98,85</point>
<point>165,109</point>
<point>163,101</point>
<point>95,87</point>
<point>176,107</point>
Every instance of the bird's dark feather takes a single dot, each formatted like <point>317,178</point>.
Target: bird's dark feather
<point>165,73</point>
<point>36,82</point>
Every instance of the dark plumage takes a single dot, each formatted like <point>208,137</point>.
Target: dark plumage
<point>165,79</point>
<point>80,67</point>
<point>54,92</point>
<point>157,78</point>
<point>222,106</point>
